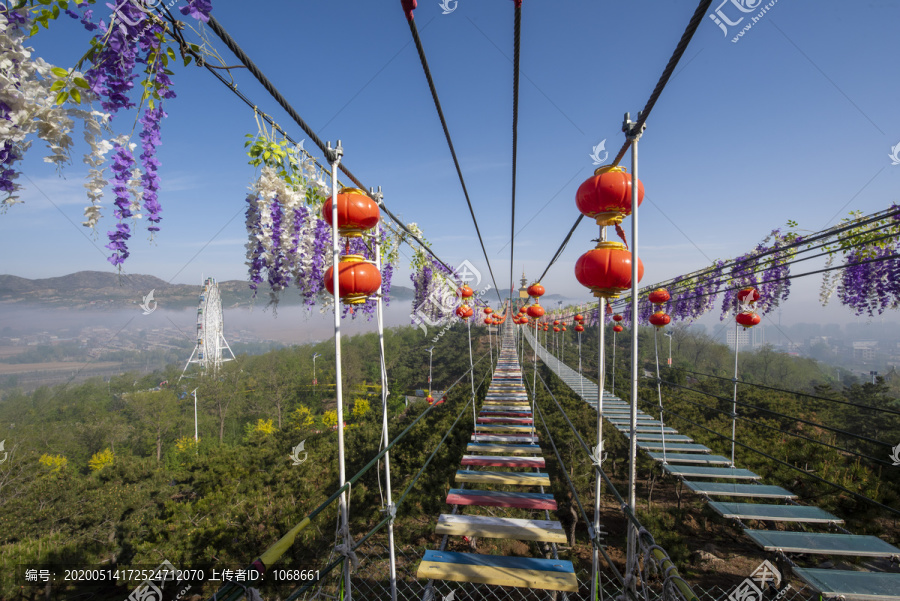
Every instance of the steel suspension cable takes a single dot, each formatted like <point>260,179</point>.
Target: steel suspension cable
<point>763,425</point>
<point>824,235</point>
<point>686,37</point>
<point>793,467</point>
<point>515,137</point>
<point>408,7</point>
<point>269,86</point>
<point>811,396</point>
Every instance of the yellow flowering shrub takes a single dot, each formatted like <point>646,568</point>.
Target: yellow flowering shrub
<point>101,460</point>
<point>55,463</point>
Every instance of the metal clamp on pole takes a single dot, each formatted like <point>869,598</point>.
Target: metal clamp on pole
<point>628,126</point>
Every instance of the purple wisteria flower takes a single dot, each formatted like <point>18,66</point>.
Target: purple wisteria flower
<point>199,9</point>
<point>123,161</point>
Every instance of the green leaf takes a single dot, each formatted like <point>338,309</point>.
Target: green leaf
<point>59,72</point>
<point>61,98</point>
<point>76,96</point>
<point>57,86</point>
<point>63,4</point>
<point>81,83</point>
<point>170,52</point>
<point>187,59</point>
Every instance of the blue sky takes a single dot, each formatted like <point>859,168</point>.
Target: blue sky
<point>795,121</point>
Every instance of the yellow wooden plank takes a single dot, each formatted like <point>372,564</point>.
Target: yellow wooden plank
<point>522,479</point>
<point>553,581</point>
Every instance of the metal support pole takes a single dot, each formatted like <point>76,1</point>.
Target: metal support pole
<point>632,441</point>
<point>472,377</point>
<point>598,451</point>
<point>335,254</point>
<point>613,383</point>
<point>379,308</point>
<point>662,423</point>
<point>735,381</point>
<point>196,432</point>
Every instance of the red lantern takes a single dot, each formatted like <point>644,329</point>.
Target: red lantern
<point>523,319</point>
<point>536,290</point>
<point>617,317</point>
<point>579,317</point>
<point>357,279</point>
<point>464,292</point>
<point>536,311</point>
<point>555,329</point>
<point>488,310</point>
<point>579,328</point>
<point>488,321</point>
<point>660,319</point>
<point>556,322</point>
<point>659,296</point>
<point>356,212</point>
<point>464,311</point>
<point>606,270</point>
<point>430,399</point>
<point>606,196</point>
<point>748,320</point>
<point>563,328</point>
<point>748,295</point>
<point>617,328</point>
<point>523,309</point>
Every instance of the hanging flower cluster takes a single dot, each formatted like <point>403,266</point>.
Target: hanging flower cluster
<point>38,99</point>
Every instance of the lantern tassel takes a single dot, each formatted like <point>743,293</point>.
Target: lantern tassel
<point>621,234</point>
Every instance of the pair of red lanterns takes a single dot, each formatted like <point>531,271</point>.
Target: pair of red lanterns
<point>747,298</point>
<point>606,197</point>
<point>579,322</point>
<point>465,293</point>
<point>660,318</point>
<point>358,279</point>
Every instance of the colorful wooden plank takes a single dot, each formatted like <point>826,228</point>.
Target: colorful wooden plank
<point>496,527</point>
<point>513,438</point>
<point>499,419</point>
<point>513,449</point>
<point>500,461</point>
<point>503,428</point>
<point>696,458</point>
<point>498,570</point>
<point>516,478</point>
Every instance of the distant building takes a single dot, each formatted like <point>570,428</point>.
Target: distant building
<point>865,349</point>
<point>742,335</point>
<point>523,291</point>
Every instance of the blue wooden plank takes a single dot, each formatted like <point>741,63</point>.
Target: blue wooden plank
<point>499,561</point>
<point>823,543</point>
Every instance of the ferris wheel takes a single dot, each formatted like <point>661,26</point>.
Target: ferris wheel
<point>209,351</point>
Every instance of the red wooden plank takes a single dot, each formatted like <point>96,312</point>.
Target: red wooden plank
<point>503,462</point>
<point>505,420</point>
<point>500,500</point>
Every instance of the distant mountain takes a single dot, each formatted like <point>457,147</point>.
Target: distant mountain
<point>110,291</point>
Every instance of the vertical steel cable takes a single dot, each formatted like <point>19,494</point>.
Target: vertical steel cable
<point>515,143</point>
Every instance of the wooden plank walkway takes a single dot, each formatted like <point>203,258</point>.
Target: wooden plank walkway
<point>504,438</point>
